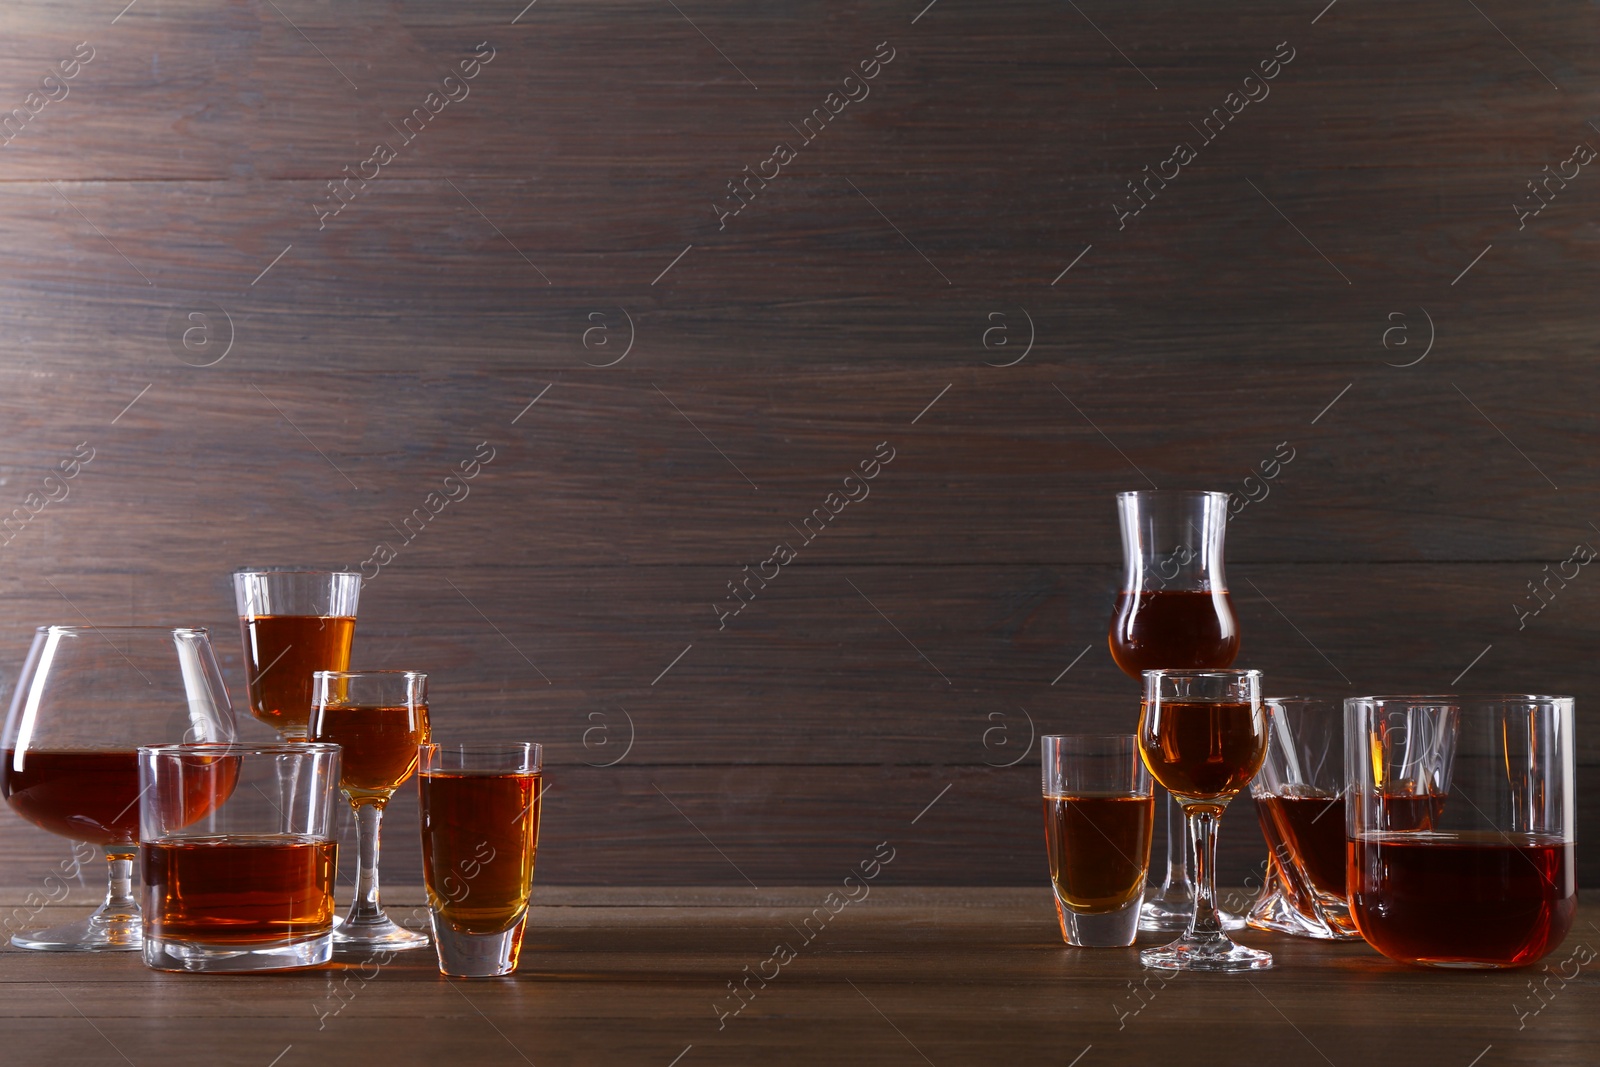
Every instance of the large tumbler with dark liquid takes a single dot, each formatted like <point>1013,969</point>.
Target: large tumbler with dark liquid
<point>1460,819</point>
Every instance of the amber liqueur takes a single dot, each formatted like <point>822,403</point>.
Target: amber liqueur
<point>1174,630</point>
<point>1098,848</point>
<point>1203,750</point>
<point>238,889</point>
<point>282,652</point>
<point>1482,898</point>
<point>480,835</point>
<point>86,796</point>
<point>379,745</point>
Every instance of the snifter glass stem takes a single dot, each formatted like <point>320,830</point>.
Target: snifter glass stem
<point>115,924</point>
<point>116,920</point>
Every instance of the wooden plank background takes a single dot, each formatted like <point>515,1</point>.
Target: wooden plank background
<point>561,215</point>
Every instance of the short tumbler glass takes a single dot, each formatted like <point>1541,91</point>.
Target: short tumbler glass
<point>480,832</point>
<point>1098,811</point>
<point>1460,827</point>
<point>238,855</point>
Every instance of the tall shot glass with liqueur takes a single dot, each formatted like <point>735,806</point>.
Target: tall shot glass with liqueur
<point>1098,810</point>
<point>293,622</point>
<point>480,833</point>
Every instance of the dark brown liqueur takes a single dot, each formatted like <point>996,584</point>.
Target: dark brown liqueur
<point>1465,898</point>
<point>1174,630</point>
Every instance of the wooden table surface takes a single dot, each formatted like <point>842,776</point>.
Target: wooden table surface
<point>905,976</point>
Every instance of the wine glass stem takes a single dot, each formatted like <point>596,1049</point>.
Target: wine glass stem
<point>1203,835</point>
<point>365,909</point>
<point>119,900</point>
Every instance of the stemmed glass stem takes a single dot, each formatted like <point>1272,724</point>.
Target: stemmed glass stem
<point>1204,922</point>
<point>119,908</point>
<point>365,910</point>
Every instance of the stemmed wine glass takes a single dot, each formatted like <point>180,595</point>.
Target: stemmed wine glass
<point>1173,613</point>
<point>1203,735</point>
<point>87,698</point>
<point>293,622</point>
<point>378,718</point>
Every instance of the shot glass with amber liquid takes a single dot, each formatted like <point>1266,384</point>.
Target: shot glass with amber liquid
<point>480,833</point>
<point>293,623</point>
<point>1098,811</point>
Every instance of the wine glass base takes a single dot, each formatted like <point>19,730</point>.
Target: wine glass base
<point>1215,954</point>
<point>1167,912</point>
<point>97,933</point>
<point>384,935</point>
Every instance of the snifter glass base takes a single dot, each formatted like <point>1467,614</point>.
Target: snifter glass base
<point>1216,954</point>
<point>104,931</point>
<point>202,957</point>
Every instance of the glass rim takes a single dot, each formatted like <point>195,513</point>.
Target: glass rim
<point>1443,699</point>
<point>1130,736</point>
<point>484,748</point>
<point>62,628</point>
<point>1229,672</point>
<point>374,674</point>
<point>530,753</point>
<point>1170,494</point>
<point>239,748</point>
<point>293,570</point>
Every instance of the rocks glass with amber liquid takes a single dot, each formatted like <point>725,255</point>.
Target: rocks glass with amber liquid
<point>379,718</point>
<point>1203,734</point>
<point>1173,613</point>
<point>238,855</point>
<point>293,623</point>
<point>87,698</point>
<point>1299,797</point>
<point>1460,827</point>
<point>480,834</point>
<point>1098,809</point>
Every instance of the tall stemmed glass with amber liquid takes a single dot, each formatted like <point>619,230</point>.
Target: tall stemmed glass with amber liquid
<point>293,623</point>
<point>87,699</point>
<point>1173,613</point>
<point>378,718</point>
<point>1203,735</point>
